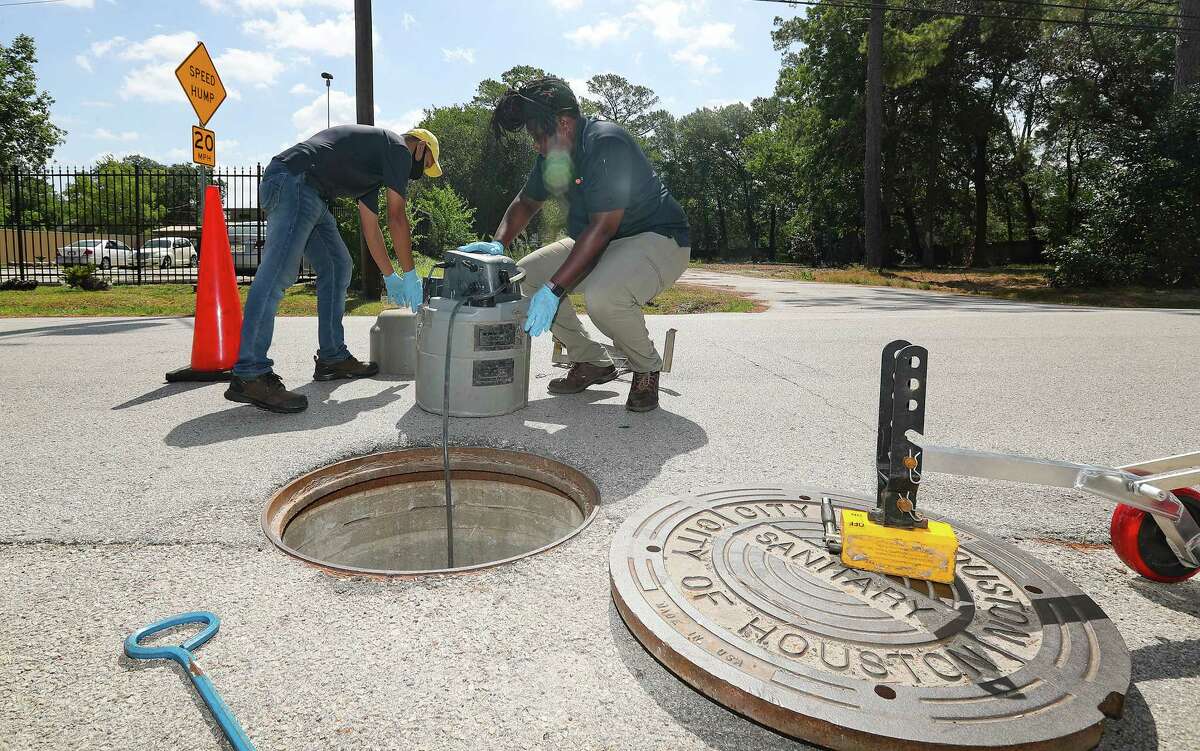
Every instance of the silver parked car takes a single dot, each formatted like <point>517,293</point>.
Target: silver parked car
<point>103,252</point>
<point>246,241</point>
<point>166,252</point>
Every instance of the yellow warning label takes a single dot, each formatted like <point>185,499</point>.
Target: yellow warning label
<point>915,553</point>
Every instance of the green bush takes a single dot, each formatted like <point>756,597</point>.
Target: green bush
<point>84,278</point>
<point>1079,264</point>
<point>18,285</point>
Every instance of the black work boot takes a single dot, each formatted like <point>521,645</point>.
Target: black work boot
<point>643,394</point>
<point>266,392</point>
<point>580,376</point>
<point>348,368</point>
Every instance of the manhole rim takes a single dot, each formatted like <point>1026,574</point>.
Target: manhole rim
<point>742,692</point>
<point>312,487</point>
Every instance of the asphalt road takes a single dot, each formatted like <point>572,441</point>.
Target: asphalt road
<point>123,500</point>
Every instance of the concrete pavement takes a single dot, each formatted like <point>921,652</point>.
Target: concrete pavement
<point>125,500</point>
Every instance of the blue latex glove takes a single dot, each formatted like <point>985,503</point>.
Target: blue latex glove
<point>404,289</point>
<point>542,309</point>
<point>491,248</point>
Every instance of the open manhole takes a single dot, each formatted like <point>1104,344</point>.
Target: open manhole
<point>385,514</point>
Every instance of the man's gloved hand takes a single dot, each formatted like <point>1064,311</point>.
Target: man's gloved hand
<point>542,309</point>
<point>404,289</point>
<point>488,248</point>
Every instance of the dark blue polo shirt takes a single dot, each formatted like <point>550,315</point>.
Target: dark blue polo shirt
<point>352,160</point>
<point>610,171</point>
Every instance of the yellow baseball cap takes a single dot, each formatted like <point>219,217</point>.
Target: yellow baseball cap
<point>435,170</point>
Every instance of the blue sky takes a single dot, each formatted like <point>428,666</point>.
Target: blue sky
<point>110,64</point>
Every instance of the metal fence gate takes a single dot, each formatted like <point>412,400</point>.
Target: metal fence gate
<point>137,225</point>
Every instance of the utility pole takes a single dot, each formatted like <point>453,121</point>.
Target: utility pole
<point>872,163</point>
<point>1187,47</point>
<point>364,100</point>
<point>328,80</point>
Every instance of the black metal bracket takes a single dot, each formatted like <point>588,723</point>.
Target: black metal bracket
<point>897,459</point>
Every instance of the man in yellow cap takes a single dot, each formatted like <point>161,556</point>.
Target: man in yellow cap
<point>357,161</point>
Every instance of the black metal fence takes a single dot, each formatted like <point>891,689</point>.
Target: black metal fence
<point>137,225</point>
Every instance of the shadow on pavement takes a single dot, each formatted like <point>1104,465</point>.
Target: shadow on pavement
<point>244,420</point>
<point>91,328</point>
<point>621,451</point>
<point>168,390</point>
<point>1183,597</point>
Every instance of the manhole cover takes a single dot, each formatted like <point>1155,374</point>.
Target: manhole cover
<point>385,514</point>
<point>734,592</point>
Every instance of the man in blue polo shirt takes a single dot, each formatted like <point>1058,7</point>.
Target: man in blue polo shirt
<point>628,237</point>
<point>358,161</point>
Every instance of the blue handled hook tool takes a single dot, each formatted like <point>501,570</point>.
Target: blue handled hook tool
<point>183,655</point>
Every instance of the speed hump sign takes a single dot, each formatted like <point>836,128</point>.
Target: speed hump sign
<point>204,146</point>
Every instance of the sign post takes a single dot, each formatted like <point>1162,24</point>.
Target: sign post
<point>202,85</point>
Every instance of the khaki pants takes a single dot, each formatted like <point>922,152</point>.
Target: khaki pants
<point>630,272</point>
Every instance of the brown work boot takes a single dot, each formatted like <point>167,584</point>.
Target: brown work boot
<point>580,376</point>
<point>643,394</point>
<point>351,367</point>
<point>266,392</point>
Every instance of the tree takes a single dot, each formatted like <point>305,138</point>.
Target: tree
<point>629,105</point>
<point>27,137</point>
<point>111,199</point>
<point>489,90</point>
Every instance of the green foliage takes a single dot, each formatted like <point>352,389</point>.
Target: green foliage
<point>84,278</point>
<point>1079,264</point>
<point>14,284</point>
<point>910,55</point>
<point>1142,221</point>
<point>109,197</point>
<point>27,136</point>
<point>448,218</point>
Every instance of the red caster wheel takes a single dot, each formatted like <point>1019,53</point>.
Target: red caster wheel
<point>1141,545</point>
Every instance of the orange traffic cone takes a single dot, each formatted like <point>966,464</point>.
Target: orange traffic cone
<point>218,327</point>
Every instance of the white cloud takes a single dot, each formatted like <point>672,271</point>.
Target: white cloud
<point>257,68</point>
<point>464,54</point>
<point>153,83</point>
<point>561,5</point>
<point>666,19</point>
<point>97,49</point>
<point>408,21</point>
<point>311,117</point>
<point>579,86</point>
<point>160,47</point>
<point>598,33</point>
<point>79,3</point>
<point>406,121</point>
<point>262,6</point>
<point>104,134</point>
<point>676,23</point>
<point>696,59</point>
<point>302,89</point>
<point>292,30</point>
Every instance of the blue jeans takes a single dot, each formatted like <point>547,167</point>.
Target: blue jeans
<point>298,223</point>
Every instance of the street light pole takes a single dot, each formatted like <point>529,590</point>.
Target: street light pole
<point>328,80</point>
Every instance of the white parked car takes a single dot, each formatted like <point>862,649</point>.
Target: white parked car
<point>103,252</point>
<point>166,252</point>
